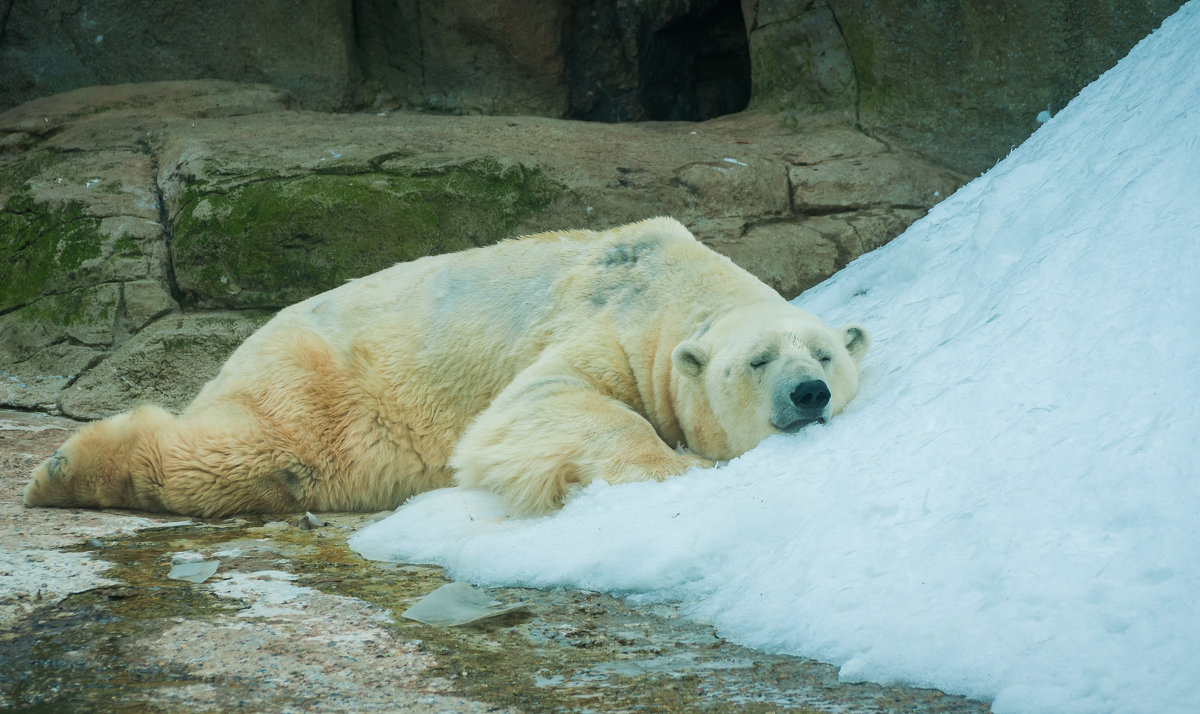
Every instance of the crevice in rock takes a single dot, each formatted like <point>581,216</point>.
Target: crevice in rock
<point>357,51</point>
<point>94,362</point>
<point>376,162</point>
<point>853,65</point>
<point>11,407</point>
<point>57,150</point>
<point>4,18</point>
<point>122,329</point>
<point>828,211</point>
<point>164,220</point>
<point>844,252</point>
<point>818,212</point>
<point>420,47</point>
<point>102,351</point>
<point>789,18</point>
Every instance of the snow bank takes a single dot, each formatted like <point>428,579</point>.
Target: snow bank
<point>1009,509</point>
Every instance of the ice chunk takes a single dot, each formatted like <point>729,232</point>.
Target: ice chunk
<point>458,604</point>
<point>194,571</point>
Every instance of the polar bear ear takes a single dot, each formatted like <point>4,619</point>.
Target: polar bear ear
<point>690,357</point>
<point>857,341</point>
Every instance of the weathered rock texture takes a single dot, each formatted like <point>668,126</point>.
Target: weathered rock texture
<point>145,230</point>
<point>461,56</point>
<point>960,80</point>
<point>963,81</point>
<point>51,46</point>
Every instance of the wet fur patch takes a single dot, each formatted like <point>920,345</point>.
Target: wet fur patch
<point>628,259</point>
<point>628,255</point>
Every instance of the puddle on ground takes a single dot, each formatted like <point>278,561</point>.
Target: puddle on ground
<point>566,651</point>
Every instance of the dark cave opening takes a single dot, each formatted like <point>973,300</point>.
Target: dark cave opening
<point>683,61</point>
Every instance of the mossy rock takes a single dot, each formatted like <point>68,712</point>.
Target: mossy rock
<point>41,246</point>
<point>70,220</point>
<point>47,342</point>
<point>86,316</point>
<point>276,241</point>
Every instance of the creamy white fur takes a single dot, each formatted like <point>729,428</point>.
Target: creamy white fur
<point>527,368</point>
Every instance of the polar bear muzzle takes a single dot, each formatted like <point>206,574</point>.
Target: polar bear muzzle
<point>800,406</point>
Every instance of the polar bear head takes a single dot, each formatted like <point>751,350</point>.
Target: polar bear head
<point>760,370</point>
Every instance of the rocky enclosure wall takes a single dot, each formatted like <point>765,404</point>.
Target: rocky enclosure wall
<point>146,229</point>
<point>961,81</point>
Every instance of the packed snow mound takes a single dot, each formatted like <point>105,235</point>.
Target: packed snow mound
<point>1008,510</point>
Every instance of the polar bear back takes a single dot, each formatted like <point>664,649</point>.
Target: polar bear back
<point>493,310</point>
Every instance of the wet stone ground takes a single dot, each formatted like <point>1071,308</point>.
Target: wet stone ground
<point>294,621</point>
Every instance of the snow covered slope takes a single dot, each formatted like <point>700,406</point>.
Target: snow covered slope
<point>1011,508</point>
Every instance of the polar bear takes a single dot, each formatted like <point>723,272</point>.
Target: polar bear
<point>529,368</point>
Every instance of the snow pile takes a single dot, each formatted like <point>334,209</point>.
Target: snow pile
<point>1009,508</point>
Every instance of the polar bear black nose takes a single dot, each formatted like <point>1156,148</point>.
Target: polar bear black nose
<point>812,394</point>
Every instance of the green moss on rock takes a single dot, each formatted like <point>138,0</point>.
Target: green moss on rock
<point>91,310</point>
<point>41,245</point>
<point>275,241</point>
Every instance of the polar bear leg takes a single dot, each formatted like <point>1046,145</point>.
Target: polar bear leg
<point>545,435</point>
<point>109,463</point>
<point>207,464</point>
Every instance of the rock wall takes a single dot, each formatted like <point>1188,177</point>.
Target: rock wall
<point>146,229</point>
<point>961,81</point>
<point>964,82</point>
<point>460,56</point>
<point>52,46</point>
<point>958,80</point>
